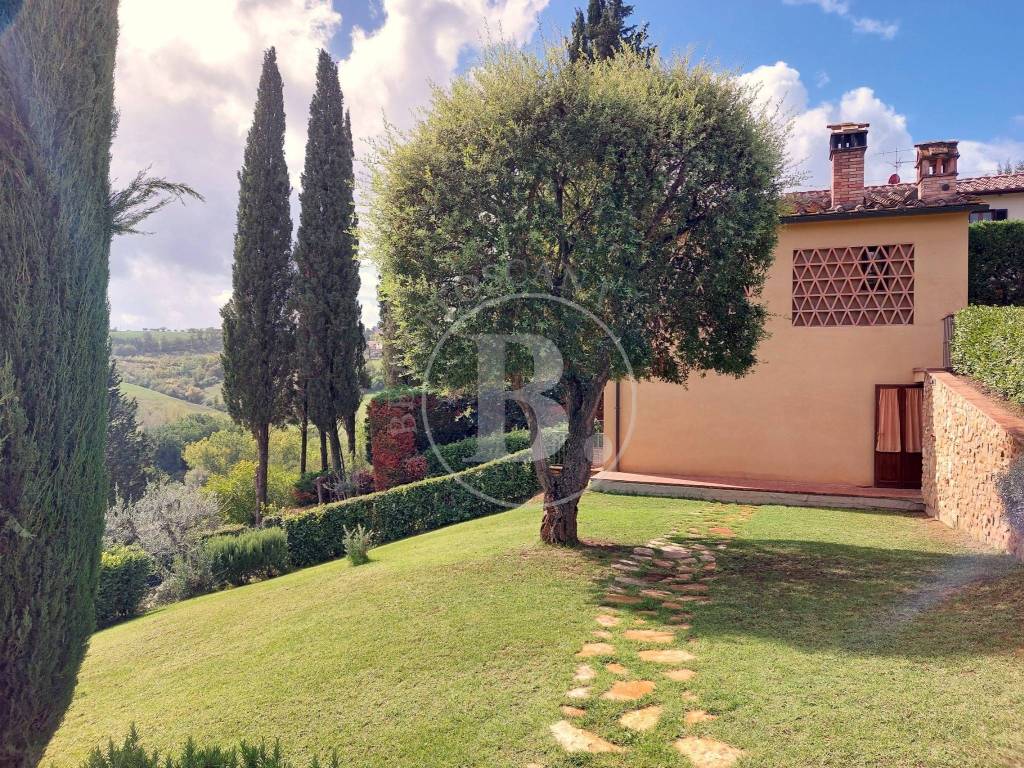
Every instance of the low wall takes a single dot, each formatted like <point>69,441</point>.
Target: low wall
<point>970,438</point>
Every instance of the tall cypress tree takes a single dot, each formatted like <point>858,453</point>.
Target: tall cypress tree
<point>603,31</point>
<point>56,122</point>
<point>327,282</point>
<point>258,327</point>
<point>129,451</point>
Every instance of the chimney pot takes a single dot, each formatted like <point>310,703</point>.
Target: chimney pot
<point>847,145</point>
<point>936,169</point>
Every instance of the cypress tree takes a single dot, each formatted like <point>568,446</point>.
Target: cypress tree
<point>604,30</point>
<point>327,283</point>
<point>258,326</point>
<point>56,122</point>
<point>129,451</point>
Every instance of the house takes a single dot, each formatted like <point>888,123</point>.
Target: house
<point>1003,193</point>
<point>863,285</point>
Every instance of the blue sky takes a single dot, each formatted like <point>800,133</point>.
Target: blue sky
<point>187,73</point>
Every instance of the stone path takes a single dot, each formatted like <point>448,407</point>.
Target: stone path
<point>646,613</point>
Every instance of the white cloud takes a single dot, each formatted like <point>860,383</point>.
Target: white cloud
<point>186,84</point>
<point>887,30</point>
<point>981,158</point>
<point>822,79</point>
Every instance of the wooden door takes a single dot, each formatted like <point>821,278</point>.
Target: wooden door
<point>898,435</point>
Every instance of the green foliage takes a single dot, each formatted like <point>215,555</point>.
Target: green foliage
<point>131,754</point>
<point>154,341</point>
<point>317,535</point>
<point>458,455</point>
<point>235,491</point>
<point>249,556</point>
<point>258,330</point>
<point>330,343</point>
<point>128,451</point>
<point>194,377</point>
<point>124,577</point>
<point>357,543</point>
<point>56,123</point>
<point>169,440</point>
<point>603,32</point>
<point>144,196</point>
<point>988,345</point>
<point>220,451</point>
<point>996,272</point>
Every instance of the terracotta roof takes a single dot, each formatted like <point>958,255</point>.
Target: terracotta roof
<point>885,198</point>
<point>992,185</point>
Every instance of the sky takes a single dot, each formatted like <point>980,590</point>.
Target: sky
<point>187,73</point>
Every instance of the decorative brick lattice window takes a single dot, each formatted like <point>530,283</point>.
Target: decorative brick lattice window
<point>863,285</point>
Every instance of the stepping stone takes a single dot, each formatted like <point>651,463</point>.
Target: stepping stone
<point>710,566</point>
<point>590,650</point>
<point>682,578</point>
<point>656,594</point>
<point>667,656</point>
<point>583,692</point>
<point>648,614</point>
<point>572,711</point>
<point>623,599</point>
<point>643,551</point>
<point>672,605</point>
<point>691,589</point>
<point>629,581</point>
<point>616,669</point>
<point>650,635</point>
<point>721,530</point>
<point>573,739</point>
<point>602,634</point>
<point>584,673</point>
<point>708,753</point>
<point>693,530</point>
<point>642,719</point>
<point>681,675</point>
<point>688,696</point>
<point>664,563</point>
<point>680,619</point>
<point>695,716</point>
<point>628,691</point>
<point>608,621</point>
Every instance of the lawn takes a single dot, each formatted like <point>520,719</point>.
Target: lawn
<point>835,638</point>
<point>156,408</point>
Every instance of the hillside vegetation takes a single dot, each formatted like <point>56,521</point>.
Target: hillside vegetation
<point>156,408</point>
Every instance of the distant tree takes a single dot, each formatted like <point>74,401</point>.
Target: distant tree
<point>169,440</point>
<point>1010,167</point>
<point>258,325</point>
<point>327,281</point>
<point>644,192</point>
<point>129,452</point>
<point>56,121</point>
<point>603,31</point>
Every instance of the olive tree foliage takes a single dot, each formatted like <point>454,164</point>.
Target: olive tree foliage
<point>642,191</point>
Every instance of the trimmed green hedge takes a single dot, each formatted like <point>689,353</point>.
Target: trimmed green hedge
<point>988,345</point>
<point>315,535</point>
<point>457,454</point>
<point>996,273</point>
<point>124,577</point>
<point>255,554</point>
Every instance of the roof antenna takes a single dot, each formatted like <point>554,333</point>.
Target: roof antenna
<point>896,161</point>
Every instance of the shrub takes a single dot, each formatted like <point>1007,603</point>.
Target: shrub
<point>131,754</point>
<point>362,482</point>
<point>316,535</point>
<point>457,454</point>
<point>304,490</point>
<point>357,543</point>
<point>235,492</point>
<point>124,580</point>
<point>190,575</point>
<point>392,428</point>
<point>988,345</point>
<point>996,272</point>
<point>253,555</point>
<point>169,440</point>
<point>1011,490</point>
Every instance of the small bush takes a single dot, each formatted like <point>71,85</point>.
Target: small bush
<point>1011,490</point>
<point>235,492</point>
<point>362,482</point>
<point>988,345</point>
<point>131,754</point>
<point>316,535</point>
<point>124,580</point>
<point>190,575</point>
<point>357,543</point>
<point>304,490</point>
<point>996,258</point>
<point>252,555</point>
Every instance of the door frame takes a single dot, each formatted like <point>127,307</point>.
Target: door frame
<point>913,485</point>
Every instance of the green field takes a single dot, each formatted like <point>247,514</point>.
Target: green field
<point>836,638</point>
<point>156,408</point>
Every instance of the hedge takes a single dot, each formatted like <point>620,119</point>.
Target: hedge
<point>996,273</point>
<point>988,345</point>
<point>315,535</point>
<point>458,454</point>
<point>252,555</point>
<point>124,579</point>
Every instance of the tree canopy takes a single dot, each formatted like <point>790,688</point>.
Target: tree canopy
<point>645,192</point>
<point>603,32</point>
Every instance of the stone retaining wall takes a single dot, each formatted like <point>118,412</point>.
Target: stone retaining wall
<point>970,438</point>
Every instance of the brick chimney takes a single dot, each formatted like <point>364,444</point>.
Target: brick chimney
<point>936,169</point>
<point>847,145</point>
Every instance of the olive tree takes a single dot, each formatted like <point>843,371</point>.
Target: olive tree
<point>640,193</point>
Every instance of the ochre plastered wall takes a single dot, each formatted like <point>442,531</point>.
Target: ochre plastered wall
<point>807,411</point>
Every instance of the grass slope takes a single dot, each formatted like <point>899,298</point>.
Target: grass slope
<point>837,638</point>
<point>156,408</point>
